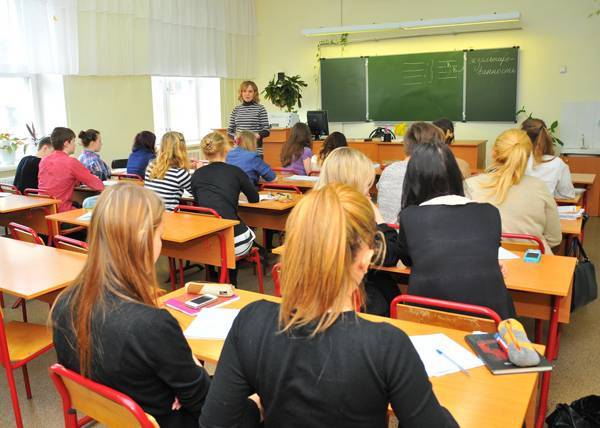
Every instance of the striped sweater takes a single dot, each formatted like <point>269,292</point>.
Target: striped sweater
<point>249,117</point>
<point>171,187</point>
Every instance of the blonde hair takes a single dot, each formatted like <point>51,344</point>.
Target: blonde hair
<point>316,288</point>
<point>213,144</point>
<point>348,166</point>
<point>172,154</point>
<point>120,261</point>
<point>541,139</point>
<point>246,140</point>
<point>243,86</point>
<point>511,152</point>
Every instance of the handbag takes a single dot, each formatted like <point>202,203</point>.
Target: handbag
<point>585,288</point>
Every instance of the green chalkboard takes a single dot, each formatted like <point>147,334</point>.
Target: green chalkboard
<point>492,85</point>
<point>343,89</point>
<point>424,86</point>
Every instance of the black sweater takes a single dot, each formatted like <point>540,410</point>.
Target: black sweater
<point>26,176</point>
<point>453,254</point>
<point>218,186</point>
<point>344,377</point>
<point>140,351</point>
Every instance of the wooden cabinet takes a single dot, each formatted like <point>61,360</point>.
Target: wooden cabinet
<point>588,165</point>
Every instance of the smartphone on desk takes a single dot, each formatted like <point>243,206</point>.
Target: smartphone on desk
<point>532,256</point>
<point>200,301</point>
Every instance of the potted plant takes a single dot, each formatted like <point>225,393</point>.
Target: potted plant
<point>285,91</point>
<point>8,148</point>
<point>553,129</point>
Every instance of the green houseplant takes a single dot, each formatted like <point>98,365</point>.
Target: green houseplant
<point>8,147</point>
<point>552,128</point>
<point>285,91</point>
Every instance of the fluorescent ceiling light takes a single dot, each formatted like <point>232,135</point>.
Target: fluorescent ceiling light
<point>496,20</point>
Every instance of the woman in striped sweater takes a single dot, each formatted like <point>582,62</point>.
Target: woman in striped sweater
<point>250,115</point>
<point>168,175</point>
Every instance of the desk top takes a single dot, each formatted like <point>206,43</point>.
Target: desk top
<point>273,205</point>
<point>571,227</point>
<point>301,184</point>
<point>179,227</point>
<point>586,179</point>
<point>31,270</point>
<point>14,203</point>
<point>499,400</point>
<point>572,201</point>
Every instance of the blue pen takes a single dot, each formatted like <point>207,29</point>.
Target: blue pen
<point>461,368</point>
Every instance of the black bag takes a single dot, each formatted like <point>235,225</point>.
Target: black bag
<point>582,413</point>
<point>585,288</point>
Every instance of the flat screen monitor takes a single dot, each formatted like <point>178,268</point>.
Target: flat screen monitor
<point>317,122</point>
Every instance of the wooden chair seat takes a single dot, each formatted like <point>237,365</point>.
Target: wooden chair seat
<point>26,339</point>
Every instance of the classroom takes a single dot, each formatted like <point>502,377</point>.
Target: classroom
<point>252,213</point>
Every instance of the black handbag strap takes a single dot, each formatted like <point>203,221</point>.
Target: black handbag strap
<point>578,251</point>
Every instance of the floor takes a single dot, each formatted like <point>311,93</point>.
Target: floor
<point>577,371</point>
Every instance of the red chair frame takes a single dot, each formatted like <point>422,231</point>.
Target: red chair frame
<point>443,304</point>
<point>57,370</point>
<point>9,188</point>
<point>523,236</point>
<point>10,367</point>
<point>393,225</point>
<point>284,170</point>
<point>277,186</point>
<point>58,239</point>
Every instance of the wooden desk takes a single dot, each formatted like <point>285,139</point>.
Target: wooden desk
<point>500,401</point>
<point>186,236</point>
<point>583,180</point>
<point>303,185</point>
<point>28,210</point>
<point>31,270</point>
<point>571,227</point>
<point>572,201</point>
<point>270,215</point>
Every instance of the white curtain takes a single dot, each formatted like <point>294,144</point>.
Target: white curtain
<point>200,38</point>
<point>38,36</point>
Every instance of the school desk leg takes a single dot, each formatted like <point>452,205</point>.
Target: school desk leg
<point>181,277</point>
<point>26,381</point>
<point>1,300</point>
<point>551,349</point>
<point>172,272</point>
<point>539,326</point>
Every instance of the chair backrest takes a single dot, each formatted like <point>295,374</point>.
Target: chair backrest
<point>24,233</point>
<point>534,243</point>
<point>9,188</point>
<point>125,176</point>
<point>284,171</point>
<point>393,225</point>
<point>197,210</point>
<point>441,318</point>
<point>314,173</point>
<point>66,243</point>
<point>275,274</point>
<point>118,163</point>
<point>36,192</point>
<point>284,187</point>
<point>101,403</point>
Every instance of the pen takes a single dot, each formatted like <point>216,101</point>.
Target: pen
<point>461,368</point>
<point>501,343</point>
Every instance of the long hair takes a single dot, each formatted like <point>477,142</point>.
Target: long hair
<point>540,138</point>
<point>432,171</point>
<point>447,128</point>
<point>349,166</point>
<point>172,154</point>
<point>316,288</point>
<point>299,138</point>
<point>246,140</point>
<point>511,151</point>
<point>332,142</point>
<point>120,260</point>
<point>421,132</point>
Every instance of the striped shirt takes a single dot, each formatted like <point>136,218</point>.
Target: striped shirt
<point>171,187</point>
<point>250,117</point>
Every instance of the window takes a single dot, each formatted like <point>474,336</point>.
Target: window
<point>190,105</point>
<point>16,105</point>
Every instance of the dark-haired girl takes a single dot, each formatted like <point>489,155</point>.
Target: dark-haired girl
<point>297,150</point>
<point>142,153</point>
<point>450,242</point>
<point>91,140</point>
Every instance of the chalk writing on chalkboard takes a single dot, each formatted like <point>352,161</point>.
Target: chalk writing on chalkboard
<point>494,65</point>
<point>420,73</point>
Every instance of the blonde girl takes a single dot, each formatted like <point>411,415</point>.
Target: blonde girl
<point>244,157</point>
<point>543,162</point>
<point>168,175</point>
<point>349,166</point>
<point>311,359</point>
<point>525,204</point>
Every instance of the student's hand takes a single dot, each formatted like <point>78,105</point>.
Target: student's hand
<point>378,217</point>
<point>502,268</point>
<point>176,404</point>
<point>195,164</point>
<point>257,136</point>
<point>256,399</point>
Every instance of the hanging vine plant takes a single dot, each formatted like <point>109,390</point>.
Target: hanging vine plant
<point>285,91</point>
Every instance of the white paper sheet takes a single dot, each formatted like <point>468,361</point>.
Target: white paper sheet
<point>211,323</point>
<point>302,178</point>
<point>504,254</point>
<point>438,365</point>
<point>86,217</point>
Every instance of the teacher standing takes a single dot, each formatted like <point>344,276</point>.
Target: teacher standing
<point>250,115</point>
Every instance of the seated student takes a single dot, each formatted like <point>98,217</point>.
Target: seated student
<point>349,166</point>
<point>244,156</point>
<point>389,186</point>
<point>332,142</point>
<point>544,164</point>
<point>168,174</point>
<point>525,204</point>
<point>59,173</point>
<point>108,325</point>
<point>92,143</point>
<point>450,242</point>
<point>312,360</point>
<point>218,186</point>
<point>142,153</point>
<point>447,128</point>
<point>26,176</point>
<point>297,150</point>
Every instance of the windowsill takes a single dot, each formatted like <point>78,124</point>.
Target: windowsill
<point>8,168</point>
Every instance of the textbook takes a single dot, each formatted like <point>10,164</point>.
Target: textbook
<point>496,359</point>
<point>178,303</point>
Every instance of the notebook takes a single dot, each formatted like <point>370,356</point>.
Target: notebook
<point>211,323</point>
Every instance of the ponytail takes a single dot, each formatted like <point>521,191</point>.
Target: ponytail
<point>540,138</point>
